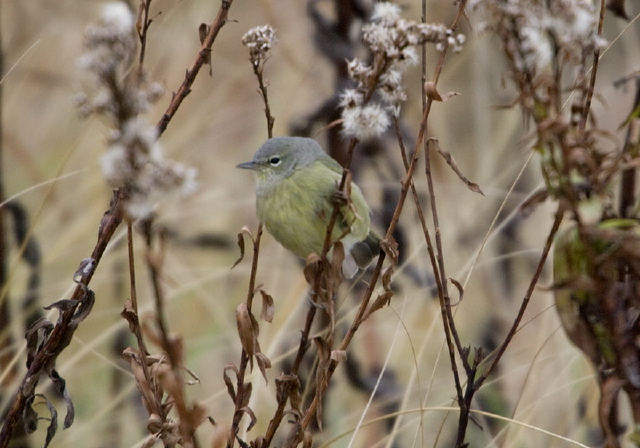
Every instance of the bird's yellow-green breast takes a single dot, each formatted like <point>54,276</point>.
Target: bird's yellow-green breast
<point>297,210</point>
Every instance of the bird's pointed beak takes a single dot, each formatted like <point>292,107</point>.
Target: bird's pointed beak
<point>248,165</point>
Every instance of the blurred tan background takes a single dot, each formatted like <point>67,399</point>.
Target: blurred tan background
<point>50,163</point>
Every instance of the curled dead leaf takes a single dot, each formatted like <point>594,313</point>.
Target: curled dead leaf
<point>245,329</point>
<point>431,91</point>
<point>264,363</point>
<point>268,308</point>
<point>244,231</point>
<point>247,410</point>
<point>459,287</point>
<point>227,380</point>
<point>311,268</point>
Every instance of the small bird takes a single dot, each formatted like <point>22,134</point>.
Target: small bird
<point>296,189</point>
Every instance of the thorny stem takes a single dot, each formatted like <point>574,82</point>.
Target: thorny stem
<point>192,72</point>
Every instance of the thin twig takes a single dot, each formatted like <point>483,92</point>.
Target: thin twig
<point>136,328</point>
<point>525,300</point>
<point>143,27</point>
<point>190,75</point>
<point>594,71</point>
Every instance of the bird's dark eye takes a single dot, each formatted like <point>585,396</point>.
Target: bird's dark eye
<point>275,160</point>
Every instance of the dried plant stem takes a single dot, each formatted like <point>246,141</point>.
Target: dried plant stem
<point>258,67</point>
<point>244,357</point>
<point>275,422</point>
<point>169,344</point>
<point>438,268</point>
<point>364,304</point>
<point>450,330</point>
<point>632,141</point>
<point>143,24</point>
<point>526,298</point>
<point>262,86</point>
<point>62,332</point>
<point>192,72</point>
<point>136,328</point>
<point>594,71</point>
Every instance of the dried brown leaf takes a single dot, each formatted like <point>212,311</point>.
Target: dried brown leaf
<point>32,337</point>
<point>244,231</point>
<point>446,155</point>
<point>247,410</point>
<point>203,31</point>
<point>154,423</point>
<point>227,380</point>
<point>245,393</point>
<point>386,279</point>
<point>459,287</point>
<point>311,268</point>
<point>324,350</point>
<point>288,387</point>
<point>390,248</point>
<point>264,363</point>
<point>53,421</point>
<point>148,393</point>
<point>290,440</point>
<point>245,329</point>
<point>383,299</point>
<point>130,315</point>
<point>337,258</point>
<point>268,308</point>
<point>533,201</point>
<point>431,91</point>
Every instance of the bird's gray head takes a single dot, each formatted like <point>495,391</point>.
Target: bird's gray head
<point>280,157</point>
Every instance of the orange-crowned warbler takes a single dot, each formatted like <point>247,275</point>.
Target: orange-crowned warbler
<point>296,186</point>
